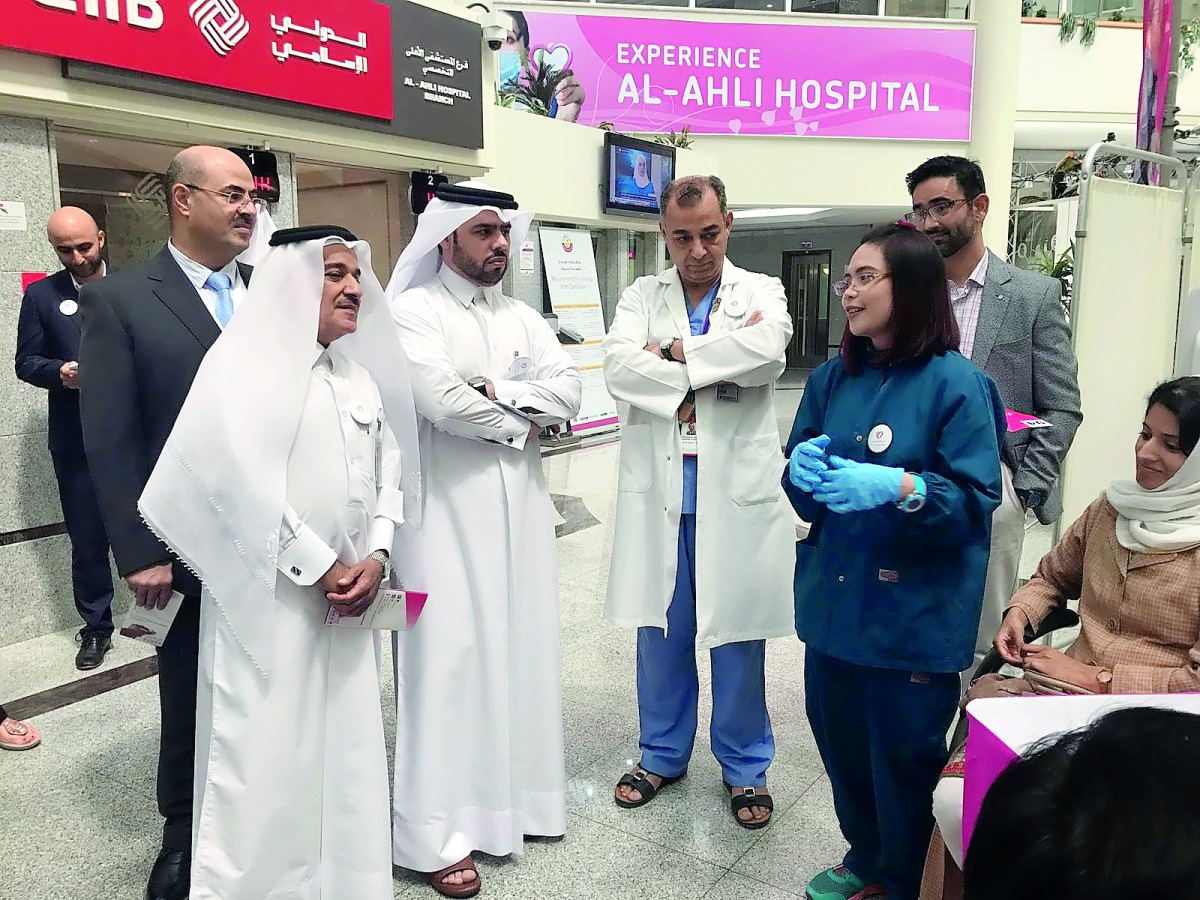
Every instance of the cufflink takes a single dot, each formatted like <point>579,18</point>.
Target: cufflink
<point>509,440</point>
<point>295,571</point>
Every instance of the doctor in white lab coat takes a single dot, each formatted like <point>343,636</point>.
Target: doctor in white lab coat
<point>704,549</point>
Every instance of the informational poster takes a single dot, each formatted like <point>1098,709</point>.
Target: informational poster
<point>12,216</point>
<point>575,298</point>
<point>527,257</point>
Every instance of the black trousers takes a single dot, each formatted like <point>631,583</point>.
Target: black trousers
<point>178,661</point>
<point>91,577</point>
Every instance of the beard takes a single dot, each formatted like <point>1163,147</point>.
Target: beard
<point>950,240</point>
<point>86,269</point>
<point>478,271</point>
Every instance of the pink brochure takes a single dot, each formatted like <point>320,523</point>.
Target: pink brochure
<point>1019,421</point>
<point>1004,728</point>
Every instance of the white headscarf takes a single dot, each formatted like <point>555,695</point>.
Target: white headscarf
<point>217,495</point>
<point>260,239</point>
<point>1164,520</point>
<point>420,260</point>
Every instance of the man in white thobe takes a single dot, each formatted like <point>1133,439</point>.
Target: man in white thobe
<point>479,751</point>
<point>280,486</point>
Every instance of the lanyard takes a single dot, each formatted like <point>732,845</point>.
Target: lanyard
<point>709,304</point>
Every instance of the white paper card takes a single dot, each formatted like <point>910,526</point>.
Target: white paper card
<point>150,626</point>
<point>391,610</point>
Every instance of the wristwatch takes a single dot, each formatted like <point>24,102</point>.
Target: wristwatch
<point>384,559</point>
<point>1104,677</point>
<point>916,499</point>
<point>665,349</point>
<point>479,384</point>
<point>1031,498</point>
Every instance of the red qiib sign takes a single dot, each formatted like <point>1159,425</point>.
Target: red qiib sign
<point>331,55</point>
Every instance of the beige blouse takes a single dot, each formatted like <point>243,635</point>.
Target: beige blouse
<point>1139,612</point>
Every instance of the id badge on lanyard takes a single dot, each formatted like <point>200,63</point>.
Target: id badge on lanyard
<point>687,431</point>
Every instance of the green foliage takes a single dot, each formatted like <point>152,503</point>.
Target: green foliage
<point>1187,44</point>
<point>534,88</point>
<point>683,140</point>
<point>1061,267</point>
<point>1086,25</point>
<point>1066,28</point>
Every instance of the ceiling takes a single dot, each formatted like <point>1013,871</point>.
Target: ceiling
<point>837,216</point>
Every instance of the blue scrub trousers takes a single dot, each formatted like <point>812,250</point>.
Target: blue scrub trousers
<point>882,737</point>
<point>668,689</point>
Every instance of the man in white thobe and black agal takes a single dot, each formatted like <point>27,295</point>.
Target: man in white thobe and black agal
<point>479,749</point>
<point>280,486</point>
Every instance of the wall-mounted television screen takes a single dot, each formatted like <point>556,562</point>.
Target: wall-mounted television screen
<point>635,172</point>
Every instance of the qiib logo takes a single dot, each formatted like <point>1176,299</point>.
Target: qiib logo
<point>221,23</point>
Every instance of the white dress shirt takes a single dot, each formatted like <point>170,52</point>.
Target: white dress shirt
<point>343,421</point>
<point>198,274</point>
<point>966,301</point>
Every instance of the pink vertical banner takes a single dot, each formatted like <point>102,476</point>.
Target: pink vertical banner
<point>1156,67</point>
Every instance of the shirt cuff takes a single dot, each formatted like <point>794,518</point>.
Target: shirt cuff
<point>390,505</point>
<point>513,432</point>
<point>510,392</point>
<point>383,532</point>
<point>307,558</point>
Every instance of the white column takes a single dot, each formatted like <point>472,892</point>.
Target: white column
<point>993,109</point>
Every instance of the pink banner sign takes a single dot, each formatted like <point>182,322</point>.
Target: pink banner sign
<point>660,75</point>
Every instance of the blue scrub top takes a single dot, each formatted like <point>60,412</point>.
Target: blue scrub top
<point>698,320</point>
<point>888,588</point>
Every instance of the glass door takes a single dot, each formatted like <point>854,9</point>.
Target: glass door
<point>806,283</point>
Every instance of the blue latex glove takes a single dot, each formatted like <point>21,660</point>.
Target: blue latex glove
<point>808,463</point>
<point>851,486</point>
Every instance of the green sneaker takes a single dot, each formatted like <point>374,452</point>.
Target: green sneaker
<point>839,883</point>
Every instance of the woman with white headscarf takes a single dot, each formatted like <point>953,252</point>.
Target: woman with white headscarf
<point>1132,560</point>
<point>280,487</point>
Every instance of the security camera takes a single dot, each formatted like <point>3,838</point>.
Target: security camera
<point>495,29</point>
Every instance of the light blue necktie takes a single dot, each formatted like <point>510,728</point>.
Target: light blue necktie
<point>220,284</point>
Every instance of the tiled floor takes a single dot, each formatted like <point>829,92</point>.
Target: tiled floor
<point>78,817</point>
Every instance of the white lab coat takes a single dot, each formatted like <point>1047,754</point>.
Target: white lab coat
<point>745,531</point>
<point>291,771</point>
<point>479,735</point>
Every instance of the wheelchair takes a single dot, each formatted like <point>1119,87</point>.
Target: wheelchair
<point>1058,618</point>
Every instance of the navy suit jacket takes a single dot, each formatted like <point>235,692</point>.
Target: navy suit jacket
<point>46,338</point>
<point>145,332</point>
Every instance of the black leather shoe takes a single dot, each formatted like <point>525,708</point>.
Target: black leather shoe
<point>171,877</point>
<point>93,646</point>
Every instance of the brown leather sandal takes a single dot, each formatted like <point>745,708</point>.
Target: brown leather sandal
<point>470,889</point>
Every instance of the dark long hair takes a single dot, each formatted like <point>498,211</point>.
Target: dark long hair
<point>1105,813</point>
<point>921,313</point>
<point>1181,397</point>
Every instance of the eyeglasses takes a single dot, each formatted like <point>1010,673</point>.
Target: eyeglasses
<point>235,197</point>
<point>936,211</point>
<point>861,281</point>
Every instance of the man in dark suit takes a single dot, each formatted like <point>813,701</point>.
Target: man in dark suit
<point>145,331</point>
<point>1013,327</point>
<point>47,357</point>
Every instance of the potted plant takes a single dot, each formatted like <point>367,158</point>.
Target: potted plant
<point>1061,267</point>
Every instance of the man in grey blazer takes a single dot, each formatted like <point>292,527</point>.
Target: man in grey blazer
<point>1014,328</point>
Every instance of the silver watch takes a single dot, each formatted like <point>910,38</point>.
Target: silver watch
<point>665,349</point>
<point>384,559</point>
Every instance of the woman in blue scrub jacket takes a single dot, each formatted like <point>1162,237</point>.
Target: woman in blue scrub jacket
<point>894,459</point>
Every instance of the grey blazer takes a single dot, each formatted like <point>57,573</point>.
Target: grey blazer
<point>1023,342</point>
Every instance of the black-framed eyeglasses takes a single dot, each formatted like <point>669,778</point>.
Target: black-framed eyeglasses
<point>937,211</point>
<point>235,197</point>
<point>861,281</point>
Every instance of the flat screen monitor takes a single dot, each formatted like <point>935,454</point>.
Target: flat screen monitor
<point>636,171</point>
